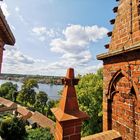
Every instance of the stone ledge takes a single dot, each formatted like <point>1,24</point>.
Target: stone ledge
<point>107,135</point>
<point>118,52</point>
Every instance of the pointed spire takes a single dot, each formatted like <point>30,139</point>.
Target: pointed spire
<point>68,116</point>
<point>68,107</point>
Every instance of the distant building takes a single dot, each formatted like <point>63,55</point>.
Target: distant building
<point>23,112</point>
<point>40,120</point>
<point>7,106</point>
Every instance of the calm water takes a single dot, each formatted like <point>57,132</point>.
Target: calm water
<point>52,91</point>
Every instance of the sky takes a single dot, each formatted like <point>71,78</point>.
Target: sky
<point>54,35</point>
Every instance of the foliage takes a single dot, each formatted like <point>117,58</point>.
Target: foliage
<point>12,129</point>
<point>51,104</point>
<point>41,101</point>
<point>27,93</point>
<point>8,90</point>
<point>89,91</point>
<point>39,134</point>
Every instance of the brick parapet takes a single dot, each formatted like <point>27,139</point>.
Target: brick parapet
<point>107,135</point>
<point>68,130</point>
<point>126,29</point>
<point>122,112</point>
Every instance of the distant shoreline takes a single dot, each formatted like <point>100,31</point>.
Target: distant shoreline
<point>52,80</point>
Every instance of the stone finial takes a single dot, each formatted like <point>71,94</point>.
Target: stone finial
<point>68,116</point>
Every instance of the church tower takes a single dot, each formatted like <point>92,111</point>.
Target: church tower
<point>121,97</point>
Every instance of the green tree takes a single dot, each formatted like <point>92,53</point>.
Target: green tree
<point>39,134</point>
<point>27,93</point>
<point>12,129</point>
<point>89,91</point>
<point>41,101</point>
<point>51,104</point>
<point>8,90</point>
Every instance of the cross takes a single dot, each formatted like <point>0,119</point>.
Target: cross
<point>70,82</point>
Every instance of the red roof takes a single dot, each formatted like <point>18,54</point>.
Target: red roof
<point>7,103</point>
<point>23,111</point>
<point>42,121</point>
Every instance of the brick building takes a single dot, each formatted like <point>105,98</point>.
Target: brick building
<point>121,97</point>
<point>6,36</point>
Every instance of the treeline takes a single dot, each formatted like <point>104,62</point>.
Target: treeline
<point>89,93</point>
<point>56,80</point>
<point>27,96</point>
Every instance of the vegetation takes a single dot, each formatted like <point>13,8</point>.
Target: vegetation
<point>12,128</point>
<point>8,90</point>
<point>41,101</point>
<point>39,134</point>
<point>89,91</point>
<point>40,78</point>
<point>27,96</point>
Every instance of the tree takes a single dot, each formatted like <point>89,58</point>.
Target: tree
<point>41,101</point>
<point>12,129</point>
<point>27,93</point>
<point>39,134</point>
<point>51,104</point>
<point>89,91</point>
<point>8,90</point>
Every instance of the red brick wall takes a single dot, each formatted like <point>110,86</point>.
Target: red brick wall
<point>70,130</point>
<point>121,36</point>
<point>121,102</point>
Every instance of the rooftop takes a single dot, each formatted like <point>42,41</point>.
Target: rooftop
<point>42,121</point>
<point>7,103</point>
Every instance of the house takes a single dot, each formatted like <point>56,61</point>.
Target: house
<point>40,120</point>
<point>23,112</point>
<point>7,106</point>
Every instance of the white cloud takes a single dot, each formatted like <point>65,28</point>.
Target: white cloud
<point>17,62</point>
<point>74,46</point>
<point>14,56</point>
<point>4,8</point>
<point>39,30</point>
<point>17,9</point>
<point>94,68</point>
<point>42,33</point>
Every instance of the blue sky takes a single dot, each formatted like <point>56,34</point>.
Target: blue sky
<point>53,35</point>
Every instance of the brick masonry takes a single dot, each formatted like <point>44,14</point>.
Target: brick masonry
<point>121,97</point>
<point>125,32</point>
<point>68,116</point>
<point>121,107</point>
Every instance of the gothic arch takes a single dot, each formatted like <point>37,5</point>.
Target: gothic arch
<point>112,85</point>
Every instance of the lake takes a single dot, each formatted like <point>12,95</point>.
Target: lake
<point>51,90</point>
